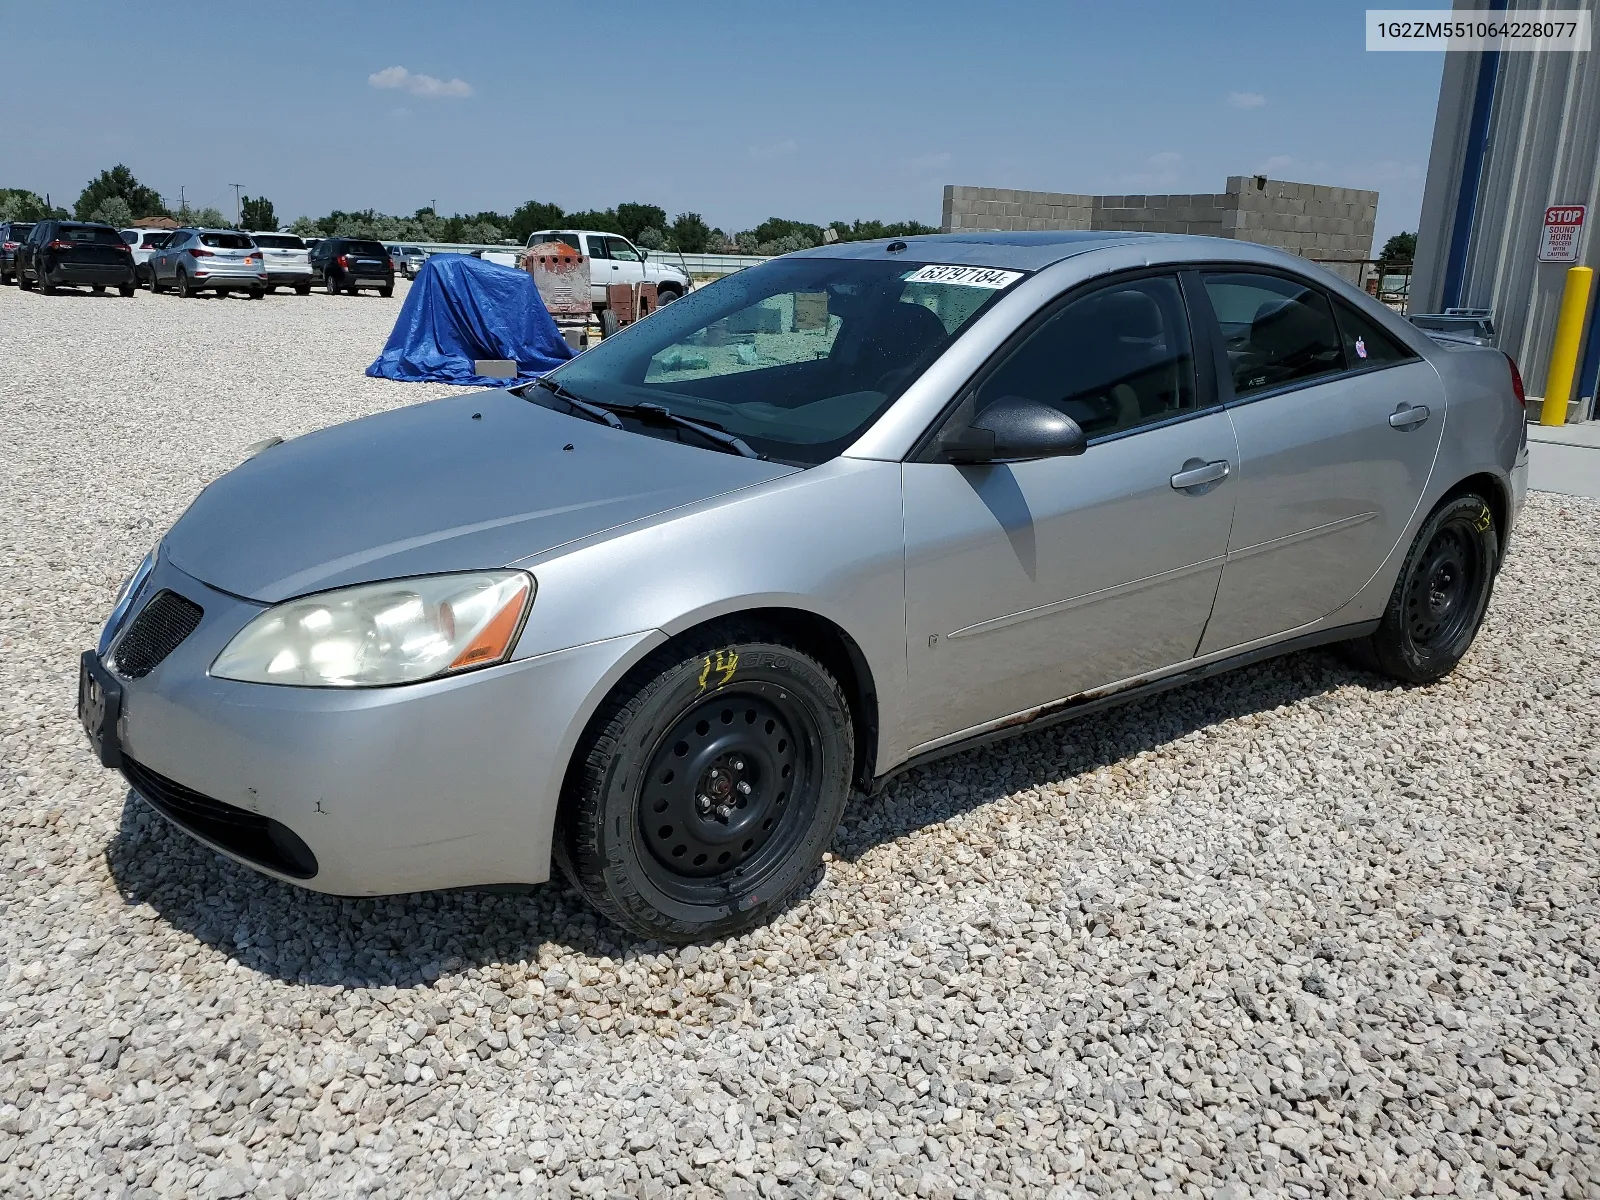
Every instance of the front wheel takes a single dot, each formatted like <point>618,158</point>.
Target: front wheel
<point>666,296</point>
<point>707,787</point>
<point>155,284</point>
<point>1439,600</point>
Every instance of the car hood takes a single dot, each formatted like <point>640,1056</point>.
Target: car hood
<point>463,483</point>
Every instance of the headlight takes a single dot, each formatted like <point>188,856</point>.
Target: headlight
<point>400,631</point>
<point>125,597</point>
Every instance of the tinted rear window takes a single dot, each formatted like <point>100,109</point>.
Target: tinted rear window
<point>226,241</point>
<point>89,235</point>
<point>369,249</point>
<point>20,231</point>
<point>279,241</point>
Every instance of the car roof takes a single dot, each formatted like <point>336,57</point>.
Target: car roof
<point>1021,250</point>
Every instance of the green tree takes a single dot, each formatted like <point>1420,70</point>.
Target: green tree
<point>1401,248</point>
<point>119,181</point>
<point>113,211</point>
<point>202,218</point>
<point>634,219</point>
<point>605,222</point>
<point>19,204</point>
<point>257,213</point>
<point>482,233</point>
<point>774,229</point>
<point>651,238</point>
<point>689,233</point>
<point>305,227</point>
<point>531,215</point>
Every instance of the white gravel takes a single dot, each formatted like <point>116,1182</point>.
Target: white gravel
<point>1292,932</point>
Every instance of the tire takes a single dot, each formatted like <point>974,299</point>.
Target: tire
<point>665,296</point>
<point>608,323</point>
<point>1439,600</point>
<point>707,786</point>
<point>97,288</point>
<point>23,281</point>
<point>302,289</point>
<point>257,293</point>
<point>183,288</point>
<point>155,284</point>
<point>222,293</point>
<point>270,290</point>
<point>126,289</point>
<point>6,277</point>
<point>331,284</point>
<point>45,286</point>
<point>386,292</point>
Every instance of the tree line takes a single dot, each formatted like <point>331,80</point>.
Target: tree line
<point>118,198</point>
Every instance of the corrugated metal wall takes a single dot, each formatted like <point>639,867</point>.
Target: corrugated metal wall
<point>1543,148</point>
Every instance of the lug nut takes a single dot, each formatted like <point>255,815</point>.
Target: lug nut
<point>704,802</point>
<point>738,764</point>
<point>744,788</point>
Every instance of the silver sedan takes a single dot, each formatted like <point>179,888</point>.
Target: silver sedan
<point>656,617</point>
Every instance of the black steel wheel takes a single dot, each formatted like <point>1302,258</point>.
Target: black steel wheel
<point>183,289</point>
<point>707,787</point>
<point>1441,595</point>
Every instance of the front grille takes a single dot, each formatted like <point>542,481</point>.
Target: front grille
<point>155,633</point>
<point>251,836</point>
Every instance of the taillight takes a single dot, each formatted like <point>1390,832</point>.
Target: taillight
<point>1516,382</point>
<point>342,260</point>
<point>125,248</point>
<point>197,253</point>
<point>59,245</point>
<point>11,245</point>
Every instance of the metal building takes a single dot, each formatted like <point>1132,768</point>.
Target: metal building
<point>1515,134</point>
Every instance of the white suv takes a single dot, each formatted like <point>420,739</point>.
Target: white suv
<point>288,261</point>
<point>614,259</point>
<point>142,242</point>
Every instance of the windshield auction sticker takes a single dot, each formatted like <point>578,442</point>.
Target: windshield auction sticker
<point>983,277</point>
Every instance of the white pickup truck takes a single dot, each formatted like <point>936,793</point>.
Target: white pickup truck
<point>614,259</point>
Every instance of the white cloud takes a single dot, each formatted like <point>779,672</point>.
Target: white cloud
<point>425,86</point>
<point>1246,100</point>
<point>774,150</point>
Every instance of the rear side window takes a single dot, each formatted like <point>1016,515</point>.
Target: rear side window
<point>1113,360</point>
<point>131,236</point>
<point>226,241</point>
<point>598,247</point>
<point>154,241</point>
<point>1366,344</point>
<point>1276,331</point>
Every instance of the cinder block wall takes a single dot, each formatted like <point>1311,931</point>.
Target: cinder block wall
<point>1310,219</point>
<point>1010,209</point>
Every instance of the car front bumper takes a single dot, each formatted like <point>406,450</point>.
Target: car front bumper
<point>449,783</point>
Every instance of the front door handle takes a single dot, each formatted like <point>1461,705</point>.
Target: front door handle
<point>1408,417</point>
<point>1196,473</point>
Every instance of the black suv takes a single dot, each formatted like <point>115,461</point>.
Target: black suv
<point>12,235</point>
<point>348,264</point>
<point>75,254</point>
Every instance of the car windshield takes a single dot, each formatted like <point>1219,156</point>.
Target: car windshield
<point>279,241</point>
<point>227,241</point>
<point>369,248</point>
<point>796,356</point>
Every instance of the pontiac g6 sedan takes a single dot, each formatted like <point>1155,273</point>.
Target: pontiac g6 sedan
<point>657,616</point>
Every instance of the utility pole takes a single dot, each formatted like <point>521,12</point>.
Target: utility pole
<point>238,213</point>
<point>183,204</point>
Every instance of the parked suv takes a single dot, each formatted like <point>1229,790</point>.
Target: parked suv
<point>224,260</point>
<point>144,243</point>
<point>75,254</point>
<point>288,261</point>
<point>614,259</point>
<point>349,264</point>
<point>12,235</point>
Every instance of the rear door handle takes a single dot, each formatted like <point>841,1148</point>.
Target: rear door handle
<point>1197,474</point>
<point>1407,417</point>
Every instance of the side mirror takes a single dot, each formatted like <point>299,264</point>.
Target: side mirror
<point>1016,428</point>
<point>643,253</point>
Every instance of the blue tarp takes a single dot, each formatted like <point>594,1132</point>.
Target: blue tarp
<point>461,308</point>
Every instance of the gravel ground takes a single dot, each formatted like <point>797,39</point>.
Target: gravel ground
<point>1292,932</point>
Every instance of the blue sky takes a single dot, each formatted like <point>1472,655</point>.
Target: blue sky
<point>737,111</point>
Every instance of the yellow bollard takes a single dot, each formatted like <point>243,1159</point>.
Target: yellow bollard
<point>1564,354</point>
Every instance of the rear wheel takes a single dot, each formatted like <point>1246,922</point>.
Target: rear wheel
<point>97,288</point>
<point>302,289</point>
<point>1439,600</point>
<point>608,323</point>
<point>707,787</point>
<point>45,286</point>
<point>257,293</point>
<point>222,293</point>
<point>23,281</point>
<point>7,277</point>
<point>331,284</point>
<point>127,289</point>
<point>183,284</point>
<point>386,291</point>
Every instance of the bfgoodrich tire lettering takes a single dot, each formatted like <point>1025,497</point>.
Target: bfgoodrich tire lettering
<point>1439,599</point>
<point>707,787</point>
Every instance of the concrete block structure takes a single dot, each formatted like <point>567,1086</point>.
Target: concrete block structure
<point>1308,219</point>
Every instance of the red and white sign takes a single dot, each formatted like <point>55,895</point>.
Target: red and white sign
<point>1562,225</point>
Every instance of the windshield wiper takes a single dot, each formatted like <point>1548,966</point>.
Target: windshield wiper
<point>710,432</point>
<point>593,411</point>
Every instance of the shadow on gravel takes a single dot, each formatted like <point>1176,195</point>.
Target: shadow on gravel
<point>405,941</point>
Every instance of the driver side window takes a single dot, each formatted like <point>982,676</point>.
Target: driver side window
<point>1113,360</point>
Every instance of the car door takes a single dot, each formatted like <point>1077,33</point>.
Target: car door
<point>626,259</point>
<point>1031,582</point>
<point>1338,426</point>
<point>601,266</point>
